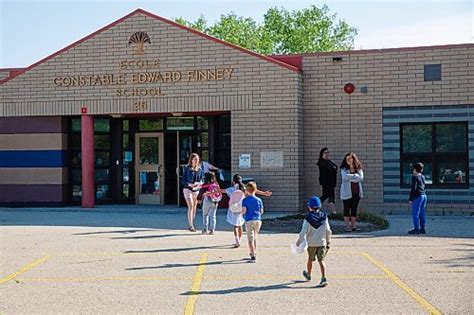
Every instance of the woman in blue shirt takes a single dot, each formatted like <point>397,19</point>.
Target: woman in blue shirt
<point>191,182</point>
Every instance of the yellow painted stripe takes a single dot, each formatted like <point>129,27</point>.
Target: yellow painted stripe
<point>25,269</point>
<point>179,278</point>
<point>86,279</point>
<point>395,279</point>
<point>189,308</point>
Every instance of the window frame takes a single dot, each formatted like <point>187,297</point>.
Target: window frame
<point>436,157</point>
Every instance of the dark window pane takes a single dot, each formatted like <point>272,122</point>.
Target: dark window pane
<point>451,170</point>
<point>148,150</point>
<point>102,175</point>
<point>102,142</point>
<point>127,157</point>
<point>102,159</point>
<point>204,140</point>
<point>125,141</point>
<point>76,192</point>
<point>125,174</point>
<point>151,125</point>
<point>180,123</point>
<point>101,125</point>
<point>126,191</point>
<point>432,72</point>
<point>451,138</point>
<point>408,164</point>
<point>76,141</point>
<point>76,159</point>
<point>417,138</point>
<point>77,176</point>
<point>76,125</point>
<point>102,192</point>
<point>202,123</point>
<point>205,155</point>
<point>125,125</point>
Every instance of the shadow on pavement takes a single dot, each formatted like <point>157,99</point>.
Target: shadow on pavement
<point>247,289</point>
<point>177,250</point>
<point>209,263</point>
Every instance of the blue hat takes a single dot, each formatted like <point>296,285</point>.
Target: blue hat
<point>314,202</point>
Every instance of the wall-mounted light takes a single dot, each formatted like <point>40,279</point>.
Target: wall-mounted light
<point>179,114</point>
<point>336,59</point>
<point>116,115</point>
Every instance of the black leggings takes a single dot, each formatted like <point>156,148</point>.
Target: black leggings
<point>328,192</point>
<point>350,206</point>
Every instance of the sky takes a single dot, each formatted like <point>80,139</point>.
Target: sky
<point>33,29</point>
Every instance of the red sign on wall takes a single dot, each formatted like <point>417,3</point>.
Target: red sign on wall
<point>83,110</point>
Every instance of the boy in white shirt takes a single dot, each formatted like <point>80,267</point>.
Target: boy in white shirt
<point>317,232</point>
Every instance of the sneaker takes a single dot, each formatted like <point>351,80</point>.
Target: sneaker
<point>192,229</point>
<point>204,232</point>
<point>414,231</point>
<point>422,231</point>
<point>306,275</point>
<point>253,259</point>
<point>211,232</point>
<point>323,282</point>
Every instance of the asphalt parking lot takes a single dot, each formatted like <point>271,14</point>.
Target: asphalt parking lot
<point>145,262</point>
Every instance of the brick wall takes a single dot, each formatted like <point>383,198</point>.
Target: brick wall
<point>264,98</point>
<point>394,79</point>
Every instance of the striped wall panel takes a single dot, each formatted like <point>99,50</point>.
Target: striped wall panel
<point>195,103</point>
<point>33,158</point>
<point>18,194</point>
<point>392,117</point>
<point>33,165</point>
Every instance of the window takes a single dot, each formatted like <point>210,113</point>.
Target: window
<point>441,147</point>
<point>432,72</point>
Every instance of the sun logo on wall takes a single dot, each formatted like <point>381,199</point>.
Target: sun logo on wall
<point>139,38</point>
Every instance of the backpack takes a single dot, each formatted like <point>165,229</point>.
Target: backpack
<point>235,201</point>
<point>214,196</point>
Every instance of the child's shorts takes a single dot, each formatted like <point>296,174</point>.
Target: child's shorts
<point>316,251</point>
<point>252,228</point>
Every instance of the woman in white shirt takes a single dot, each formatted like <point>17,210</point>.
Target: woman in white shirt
<point>351,188</point>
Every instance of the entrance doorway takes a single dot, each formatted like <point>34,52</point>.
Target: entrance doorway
<point>149,172</point>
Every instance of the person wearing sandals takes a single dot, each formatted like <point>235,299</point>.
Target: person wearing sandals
<point>351,188</point>
<point>327,178</point>
<point>191,182</point>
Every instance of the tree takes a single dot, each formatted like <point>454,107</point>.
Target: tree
<point>282,32</point>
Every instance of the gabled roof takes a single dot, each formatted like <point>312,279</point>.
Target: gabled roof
<point>141,11</point>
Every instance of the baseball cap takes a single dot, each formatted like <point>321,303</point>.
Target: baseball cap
<point>314,202</point>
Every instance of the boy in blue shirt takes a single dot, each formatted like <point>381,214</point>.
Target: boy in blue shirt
<point>418,200</point>
<point>252,209</point>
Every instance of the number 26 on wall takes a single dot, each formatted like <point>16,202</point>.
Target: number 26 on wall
<point>140,105</point>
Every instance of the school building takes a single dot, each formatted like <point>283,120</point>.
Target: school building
<point>112,117</point>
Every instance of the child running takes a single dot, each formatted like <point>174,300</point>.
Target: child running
<point>317,232</point>
<point>211,199</point>
<point>235,218</point>
<point>252,209</point>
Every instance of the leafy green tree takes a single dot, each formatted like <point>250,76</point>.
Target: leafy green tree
<point>282,32</point>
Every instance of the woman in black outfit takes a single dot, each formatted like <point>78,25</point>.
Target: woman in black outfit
<point>327,178</point>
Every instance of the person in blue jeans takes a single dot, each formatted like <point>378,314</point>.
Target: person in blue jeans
<point>418,199</point>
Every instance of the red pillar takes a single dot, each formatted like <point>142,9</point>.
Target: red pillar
<point>87,150</point>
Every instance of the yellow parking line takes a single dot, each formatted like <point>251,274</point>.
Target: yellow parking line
<point>189,308</point>
<point>395,279</point>
<point>177,278</point>
<point>84,279</point>
<point>25,269</point>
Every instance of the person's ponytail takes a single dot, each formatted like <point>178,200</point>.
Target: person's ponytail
<point>237,179</point>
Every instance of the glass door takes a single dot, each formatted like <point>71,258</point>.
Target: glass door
<point>149,173</point>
